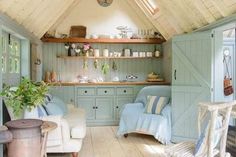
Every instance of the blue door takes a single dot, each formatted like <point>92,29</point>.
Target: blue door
<point>191,81</point>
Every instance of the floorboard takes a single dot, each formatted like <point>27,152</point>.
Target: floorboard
<point>102,142</point>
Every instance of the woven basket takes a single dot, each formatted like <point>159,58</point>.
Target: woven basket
<point>78,31</point>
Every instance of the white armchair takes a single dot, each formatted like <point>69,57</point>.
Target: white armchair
<point>69,134</point>
<point>71,126</point>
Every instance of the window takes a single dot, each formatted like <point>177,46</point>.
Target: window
<point>10,58</point>
<point>151,6</point>
<point>11,54</point>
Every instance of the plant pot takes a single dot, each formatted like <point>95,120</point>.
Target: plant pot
<point>31,114</point>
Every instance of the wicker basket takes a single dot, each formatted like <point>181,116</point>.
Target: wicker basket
<point>78,31</point>
<point>231,141</point>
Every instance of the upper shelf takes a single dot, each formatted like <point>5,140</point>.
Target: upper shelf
<point>92,57</point>
<point>111,41</point>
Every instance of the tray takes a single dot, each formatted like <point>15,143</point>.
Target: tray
<point>155,80</point>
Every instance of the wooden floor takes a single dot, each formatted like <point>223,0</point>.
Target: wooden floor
<point>102,142</point>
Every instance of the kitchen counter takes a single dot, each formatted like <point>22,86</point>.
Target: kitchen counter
<point>107,83</point>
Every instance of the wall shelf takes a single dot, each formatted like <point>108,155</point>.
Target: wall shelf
<point>111,41</point>
<point>91,57</point>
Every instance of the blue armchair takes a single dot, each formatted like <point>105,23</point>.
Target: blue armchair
<point>135,120</point>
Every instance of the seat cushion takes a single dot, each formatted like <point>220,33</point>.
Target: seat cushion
<point>77,122</point>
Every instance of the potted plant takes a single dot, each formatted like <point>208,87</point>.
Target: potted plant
<point>24,98</point>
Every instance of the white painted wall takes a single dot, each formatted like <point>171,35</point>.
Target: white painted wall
<point>103,20</point>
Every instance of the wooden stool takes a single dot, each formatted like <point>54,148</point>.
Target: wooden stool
<point>45,129</point>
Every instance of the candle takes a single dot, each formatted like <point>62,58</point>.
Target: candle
<point>96,52</point>
<point>105,53</point>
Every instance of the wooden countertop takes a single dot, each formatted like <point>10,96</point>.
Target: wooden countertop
<point>107,83</point>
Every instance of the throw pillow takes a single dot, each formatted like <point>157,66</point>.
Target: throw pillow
<point>53,109</point>
<point>155,104</point>
<point>201,145</point>
<point>41,111</point>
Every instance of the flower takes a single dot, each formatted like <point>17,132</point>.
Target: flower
<point>86,47</point>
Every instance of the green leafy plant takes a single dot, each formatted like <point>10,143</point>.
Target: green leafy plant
<point>105,68</point>
<point>27,95</point>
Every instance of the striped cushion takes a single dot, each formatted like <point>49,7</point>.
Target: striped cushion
<point>155,104</point>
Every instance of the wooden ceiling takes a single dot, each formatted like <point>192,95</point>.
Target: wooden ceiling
<point>173,17</point>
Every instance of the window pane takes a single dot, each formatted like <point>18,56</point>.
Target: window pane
<point>17,48</point>
<point>4,64</point>
<point>17,65</point>
<point>11,65</point>
<point>11,50</point>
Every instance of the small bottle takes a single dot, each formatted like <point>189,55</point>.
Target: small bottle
<point>53,76</point>
<point>47,77</point>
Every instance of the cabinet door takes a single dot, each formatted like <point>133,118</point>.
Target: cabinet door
<point>191,82</point>
<point>104,108</point>
<point>88,104</point>
<point>119,105</point>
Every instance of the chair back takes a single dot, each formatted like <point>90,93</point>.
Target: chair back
<point>215,110</point>
<point>164,91</point>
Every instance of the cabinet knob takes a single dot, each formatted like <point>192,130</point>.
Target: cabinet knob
<point>124,91</point>
<point>85,91</point>
<point>94,107</point>
<point>117,106</point>
<point>105,91</point>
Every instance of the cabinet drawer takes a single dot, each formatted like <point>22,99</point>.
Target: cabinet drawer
<point>86,91</point>
<point>106,91</point>
<point>125,91</point>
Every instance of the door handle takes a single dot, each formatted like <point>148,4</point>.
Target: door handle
<point>175,74</point>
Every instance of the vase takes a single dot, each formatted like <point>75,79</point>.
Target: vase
<point>31,114</point>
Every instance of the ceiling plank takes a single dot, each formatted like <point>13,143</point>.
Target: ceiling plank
<point>64,14</point>
<point>159,27</point>
<point>5,5</point>
<point>205,12</point>
<point>188,13</point>
<point>52,21</point>
<point>171,20</point>
<point>26,10</point>
<point>221,7</point>
<point>184,24</point>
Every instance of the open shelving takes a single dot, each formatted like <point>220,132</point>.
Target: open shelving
<point>105,40</point>
<point>92,57</point>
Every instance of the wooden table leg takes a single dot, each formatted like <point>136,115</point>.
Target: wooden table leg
<point>43,149</point>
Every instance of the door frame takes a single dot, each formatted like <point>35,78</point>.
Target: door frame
<point>218,48</point>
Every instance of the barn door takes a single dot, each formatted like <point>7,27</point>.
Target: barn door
<point>191,81</point>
